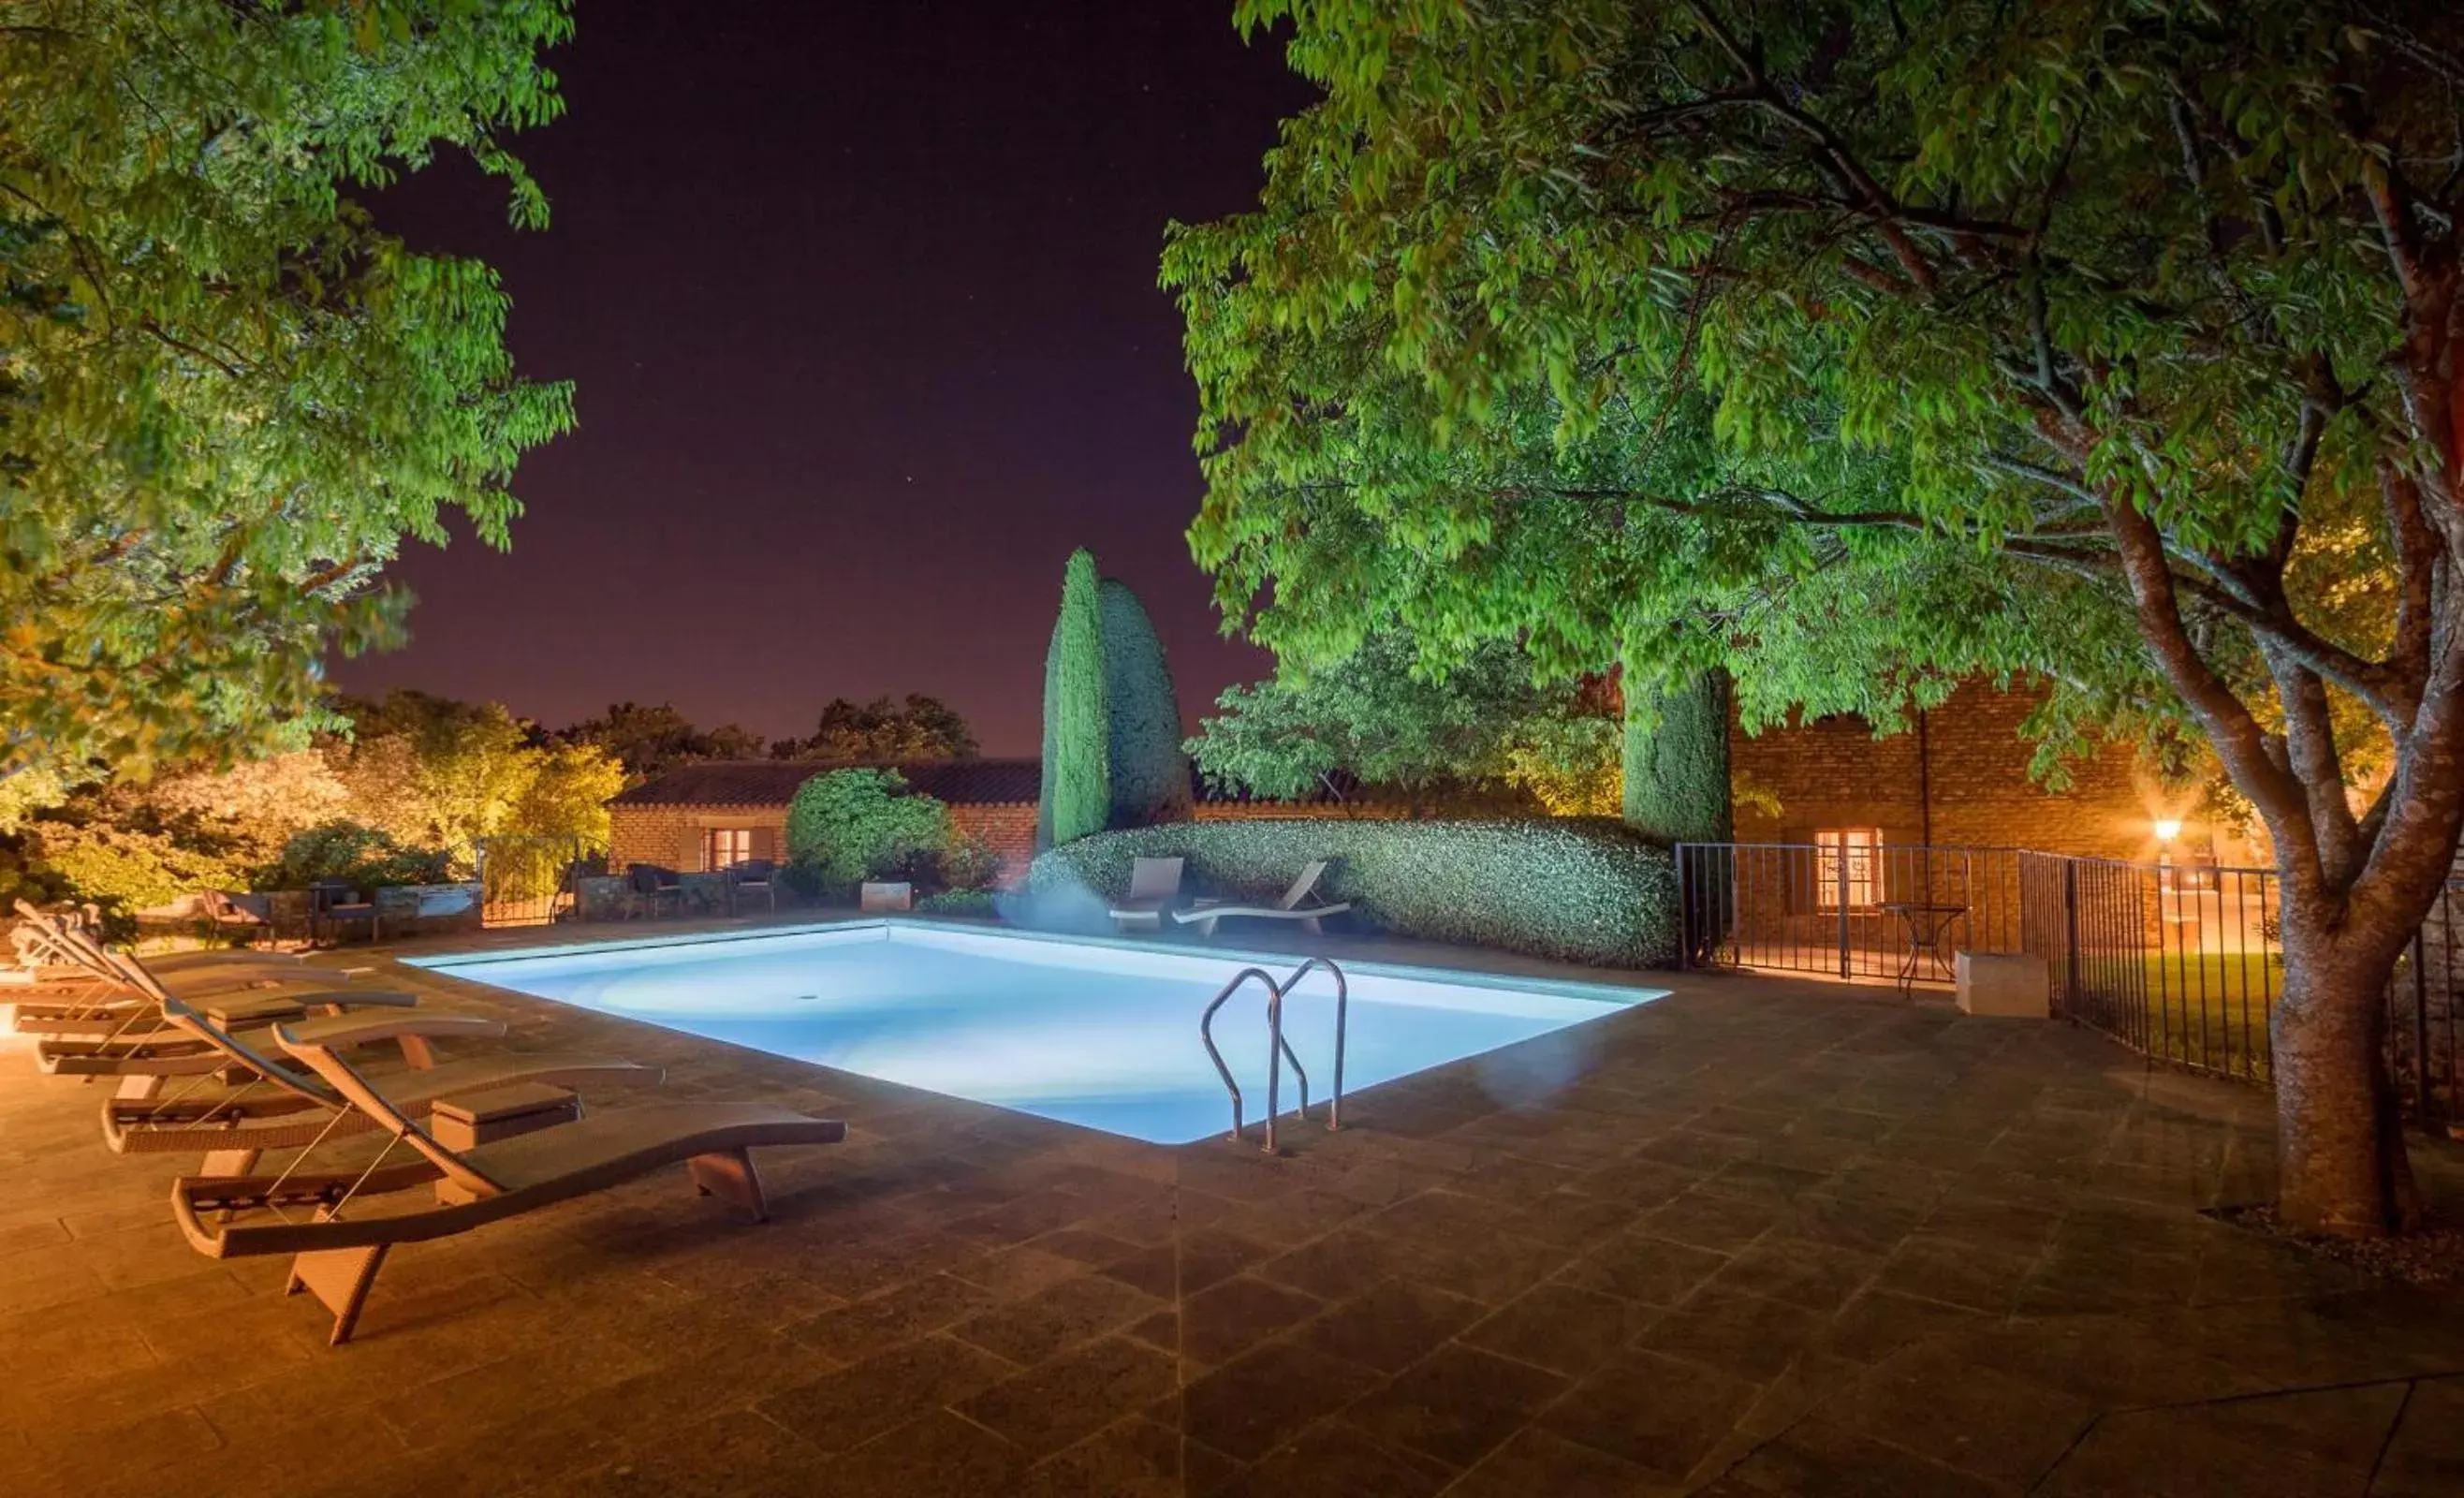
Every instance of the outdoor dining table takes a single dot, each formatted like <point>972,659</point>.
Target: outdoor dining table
<point>1928,923</point>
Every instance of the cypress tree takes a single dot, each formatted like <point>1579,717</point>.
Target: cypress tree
<point>1077,769</point>
<point>1150,774</point>
<point>1676,759</point>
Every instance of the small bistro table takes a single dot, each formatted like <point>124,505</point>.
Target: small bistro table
<point>1928,923</point>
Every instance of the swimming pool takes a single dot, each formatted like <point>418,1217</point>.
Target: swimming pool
<point>1101,1034</point>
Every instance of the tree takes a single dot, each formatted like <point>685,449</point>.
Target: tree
<point>1148,771</point>
<point>1678,787</point>
<point>1390,717</point>
<point>432,772</point>
<point>1077,796</point>
<point>920,728</point>
<point>651,740</point>
<point>225,396</point>
<point>1858,345</point>
<point>848,826</point>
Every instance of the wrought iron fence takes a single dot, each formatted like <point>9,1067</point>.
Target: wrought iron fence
<point>1847,909</point>
<point>2181,962</point>
<point>531,881</point>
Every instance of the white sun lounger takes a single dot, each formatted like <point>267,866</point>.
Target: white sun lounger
<point>1206,913</point>
<point>1154,883</point>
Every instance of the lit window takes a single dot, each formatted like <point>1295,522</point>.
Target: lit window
<point>729,846</point>
<point>1858,848</point>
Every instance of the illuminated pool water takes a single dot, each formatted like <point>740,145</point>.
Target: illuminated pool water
<point>1094,1033</point>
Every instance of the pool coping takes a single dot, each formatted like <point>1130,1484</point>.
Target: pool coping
<point>1622,995</point>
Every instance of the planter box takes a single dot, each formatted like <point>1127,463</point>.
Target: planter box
<point>886,895</point>
<point>2010,986</point>
<point>419,910</point>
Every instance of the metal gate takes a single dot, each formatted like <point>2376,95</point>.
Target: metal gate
<point>529,881</point>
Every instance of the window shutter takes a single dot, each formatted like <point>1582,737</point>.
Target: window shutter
<point>765,843</point>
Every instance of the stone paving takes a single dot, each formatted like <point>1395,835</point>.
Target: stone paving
<point>1758,1237</point>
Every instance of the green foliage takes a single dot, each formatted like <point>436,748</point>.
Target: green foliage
<point>434,772</point>
<point>360,856</point>
<point>1579,891</point>
<point>1077,714</point>
<point>1853,347</point>
<point>920,728</point>
<point>224,396</point>
<point>1395,717</point>
<point>648,740</point>
<point>127,870</point>
<point>1149,774</point>
<point>958,902</point>
<point>849,826</point>
<point>967,862</point>
<point>1677,780</point>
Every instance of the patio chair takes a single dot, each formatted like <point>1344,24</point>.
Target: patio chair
<point>1154,883</point>
<point>333,905</point>
<point>260,1101</point>
<point>1205,913</point>
<point>339,1226</point>
<point>224,912</point>
<point>752,876</point>
<point>651,884</point>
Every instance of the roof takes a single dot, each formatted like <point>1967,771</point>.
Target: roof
<point>773,783</point>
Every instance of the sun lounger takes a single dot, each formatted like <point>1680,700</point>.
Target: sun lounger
<point>1154,883</point>
<point>275,1104</point>
<point>339,1226</point>
<point>1205,913</point>
<point>149,1043</point>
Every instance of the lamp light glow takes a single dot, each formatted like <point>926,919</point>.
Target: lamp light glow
<point>2167,829</point>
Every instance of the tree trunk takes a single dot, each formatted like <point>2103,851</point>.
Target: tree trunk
<point>2340,1142</point>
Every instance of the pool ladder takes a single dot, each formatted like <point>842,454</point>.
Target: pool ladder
<point>1279,1049</point>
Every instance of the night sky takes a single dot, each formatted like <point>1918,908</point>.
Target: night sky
<point>860,305</point>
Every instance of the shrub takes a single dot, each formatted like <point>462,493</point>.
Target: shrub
<point>967,863</point>
<point>1585,889</point>
<point>1077,774</point>
<point>360,856</point>
<point>1149,773</point>
<point>848,826</point>
<point>1676,761</point>
<point>126,870</point>
<point>957,902</point>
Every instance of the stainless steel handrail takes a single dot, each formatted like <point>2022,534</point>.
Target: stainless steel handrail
<point>1342,1010</point>
<point>1277,1048</point>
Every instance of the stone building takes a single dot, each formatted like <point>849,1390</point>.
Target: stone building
<point>718,812</point>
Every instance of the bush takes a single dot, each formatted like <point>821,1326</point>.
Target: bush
<point>967,863</point>
<point>360,856</point>
<point>849,826</point>
<point>957,902</point>
<point>125,871</point>
<point>1585,889</point>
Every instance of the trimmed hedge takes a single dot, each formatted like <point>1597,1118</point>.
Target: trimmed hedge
<point>1579,890</point>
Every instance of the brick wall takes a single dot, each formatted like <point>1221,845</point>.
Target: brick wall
<point>1969,767</point>
<point>678,837</point>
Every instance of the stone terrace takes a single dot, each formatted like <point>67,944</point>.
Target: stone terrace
<point>1775,1238</point>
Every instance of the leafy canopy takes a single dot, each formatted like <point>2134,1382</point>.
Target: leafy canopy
<point>648,740</point>
<point>920,728</point>
<point>1380,715</point>
<point>1861,345</point>
<point>225,396</point>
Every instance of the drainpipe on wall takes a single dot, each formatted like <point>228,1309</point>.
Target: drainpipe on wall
<point>1925,799</point>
